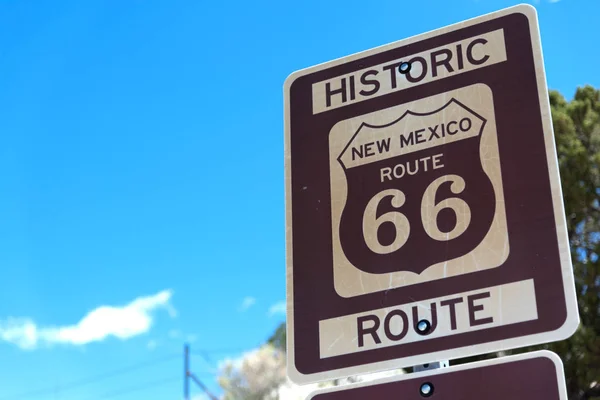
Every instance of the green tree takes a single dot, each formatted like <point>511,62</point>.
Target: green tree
<point>257,376</point>
<point>278,338</point>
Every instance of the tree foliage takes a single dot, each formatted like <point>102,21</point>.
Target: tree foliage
<point>278,338</point>
<point>256,376</point>
<point>577,134</point>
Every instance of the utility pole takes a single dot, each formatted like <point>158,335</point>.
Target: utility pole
<point>189,375</point>
<point>186,372</point>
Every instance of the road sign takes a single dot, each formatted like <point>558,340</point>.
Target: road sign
<point>531,376</point>
<point>424,209</point>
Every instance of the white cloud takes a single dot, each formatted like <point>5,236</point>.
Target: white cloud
<point>200,396</point>
<point>122,322</point>
<point>174,334</point>
<point>247,303</point>
<point>277,308</point>
<point>152,344</point>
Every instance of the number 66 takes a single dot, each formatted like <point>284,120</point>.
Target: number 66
<point>429,212</point>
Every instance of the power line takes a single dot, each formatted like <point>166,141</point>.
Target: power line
<point>211,365</point>
<point>189,375</point>
<point>137,388</point>
<point>203,387</point>
<point>214,366</point>
<point>201,352</point>
<point>92,379</point>
<point>204,353</point>
<point>206,358</point>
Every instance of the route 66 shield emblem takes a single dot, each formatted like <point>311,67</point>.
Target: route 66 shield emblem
<point>417,193</point>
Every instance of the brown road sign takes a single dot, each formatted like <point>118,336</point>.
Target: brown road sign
<point>530,376</point>
<point>422,186</point>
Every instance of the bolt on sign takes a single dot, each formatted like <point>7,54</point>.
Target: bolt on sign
<point>425,218</point>
<point>531,376</point>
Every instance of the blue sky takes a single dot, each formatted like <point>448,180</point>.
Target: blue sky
<point>141,174</point>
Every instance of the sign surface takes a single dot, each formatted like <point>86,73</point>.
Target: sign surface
<point>428,194</point>
<point>532,376</point>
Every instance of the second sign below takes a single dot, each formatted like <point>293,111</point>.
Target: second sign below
<point>531,376</point>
